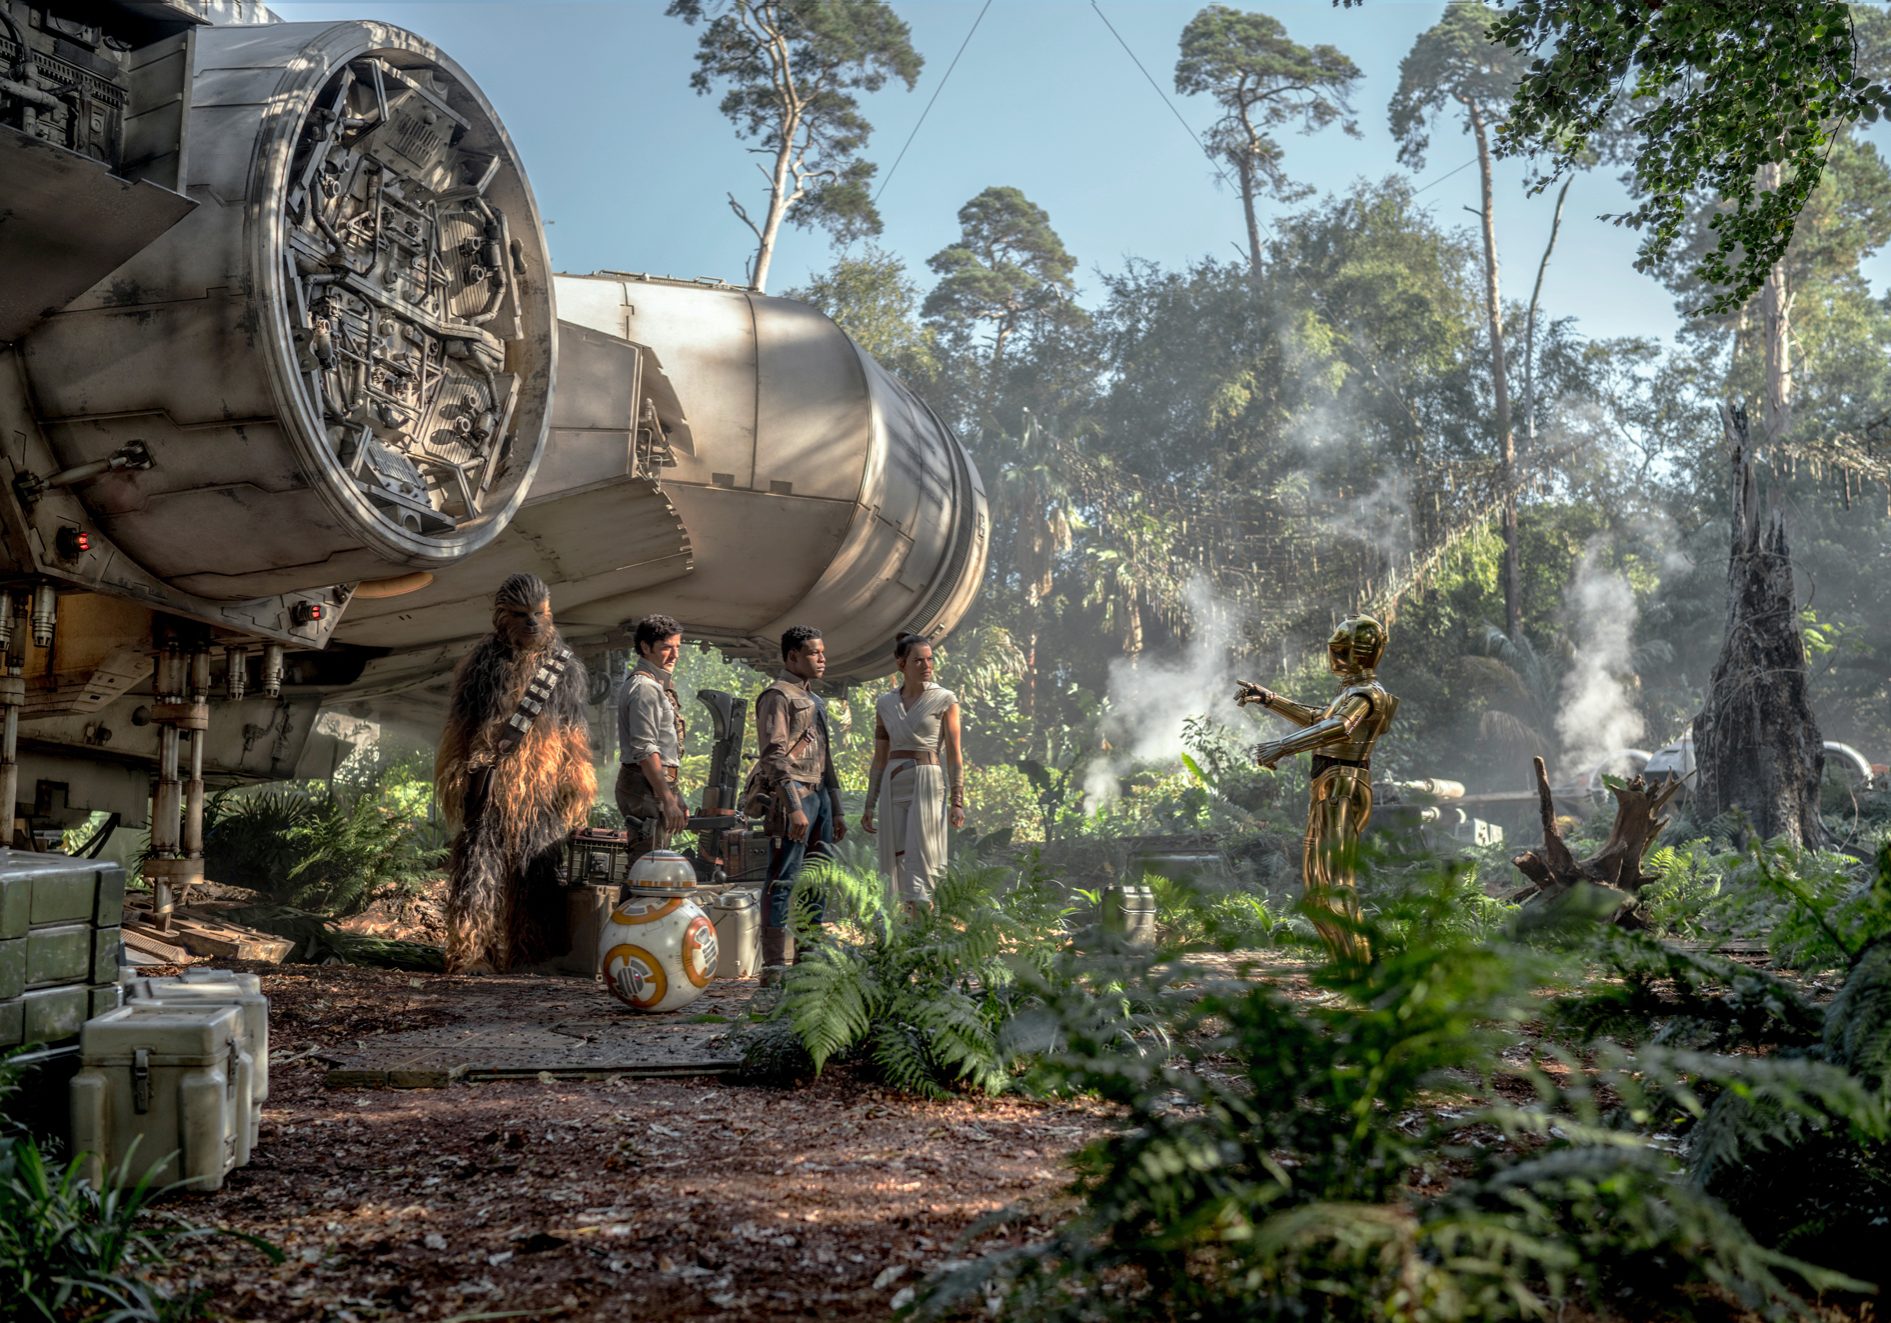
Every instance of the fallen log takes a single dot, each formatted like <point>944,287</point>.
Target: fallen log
<point>1613,875</point>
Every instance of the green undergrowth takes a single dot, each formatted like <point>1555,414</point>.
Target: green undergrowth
<point>1467,1128</point>
<point>924,997</point>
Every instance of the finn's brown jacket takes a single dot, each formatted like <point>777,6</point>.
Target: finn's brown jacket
<point>791,731</point>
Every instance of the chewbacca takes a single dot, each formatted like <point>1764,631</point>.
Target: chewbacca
<point>514,775</point>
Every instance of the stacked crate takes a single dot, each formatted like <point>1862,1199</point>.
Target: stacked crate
<point>59,944</point>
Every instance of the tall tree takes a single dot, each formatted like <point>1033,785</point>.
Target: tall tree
<point>1734,100</point>
<point>870,296</point>
<point>1005,282</point>
<point>1453,66</point>
<point>1261,78</point>
<point>789,70</point>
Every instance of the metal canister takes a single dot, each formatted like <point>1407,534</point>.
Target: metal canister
<point>737,916</point>
<point>657,951</point>
<point>1129,914</point>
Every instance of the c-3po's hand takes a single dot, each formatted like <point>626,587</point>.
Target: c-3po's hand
<point>1267,753</point>
<point>1247,692</point>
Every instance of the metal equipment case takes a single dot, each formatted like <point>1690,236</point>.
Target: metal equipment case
<point>220,987</point>
<point>169,1087</point>
<point>59,944</point>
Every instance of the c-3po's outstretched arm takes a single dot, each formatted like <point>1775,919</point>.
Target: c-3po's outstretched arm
<point>1278,704</point>
<point>1334,731</point>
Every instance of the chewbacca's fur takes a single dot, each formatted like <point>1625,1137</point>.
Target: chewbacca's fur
<point>540,791</point>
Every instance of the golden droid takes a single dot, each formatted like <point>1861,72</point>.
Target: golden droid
<point>1340,737</point>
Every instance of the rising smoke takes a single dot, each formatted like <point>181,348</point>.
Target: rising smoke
<point>1150,700</point>
<point>1598,715</point>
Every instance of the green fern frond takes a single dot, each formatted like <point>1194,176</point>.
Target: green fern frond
<point>827,1000</point>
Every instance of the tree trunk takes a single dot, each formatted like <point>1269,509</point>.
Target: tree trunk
<point>1529,319</point>
<point>1757,748</point>
<point>1244,170</point>
<point>1776,328</point>
<point>1499,382</point>
<point>1614,874</point>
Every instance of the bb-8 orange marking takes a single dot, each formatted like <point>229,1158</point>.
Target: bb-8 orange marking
<point>634,976</point>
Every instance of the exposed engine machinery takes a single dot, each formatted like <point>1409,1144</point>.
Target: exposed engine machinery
<point>277,410</point>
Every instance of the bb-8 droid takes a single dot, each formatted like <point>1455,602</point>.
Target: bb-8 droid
<point>657,951</point>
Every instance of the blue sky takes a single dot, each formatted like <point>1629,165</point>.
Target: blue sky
<point>632,166</point>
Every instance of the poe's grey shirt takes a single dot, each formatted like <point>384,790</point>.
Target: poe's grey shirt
<point>647,717</point>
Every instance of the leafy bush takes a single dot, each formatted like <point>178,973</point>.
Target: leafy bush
<point>1232,921</point>
<point>1687,883</point>
<point>1334,1160</point>
<point>69,1253</point>
<point>926,996</point>
<point>326,851</point>
<point>1815,909</point>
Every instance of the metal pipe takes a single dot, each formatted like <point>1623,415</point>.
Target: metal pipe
<point>199,719</point>
<point>272,670</point>
<point>12,696</point>
<point>45,614</point>
<point>236,673</point>
<point>6,622</point>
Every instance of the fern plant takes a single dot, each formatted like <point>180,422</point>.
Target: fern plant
<point>924,996</point>
<point>310,847</point>
<point>1332,1160</point>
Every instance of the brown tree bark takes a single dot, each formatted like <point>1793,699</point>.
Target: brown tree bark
<point>1757,747</point>
<point>1616,868</point>
<point>1499,381</point>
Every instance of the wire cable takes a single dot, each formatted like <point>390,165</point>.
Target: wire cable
<point>1446,175</point>
<point>929,104</point>
<point>1164,95</point>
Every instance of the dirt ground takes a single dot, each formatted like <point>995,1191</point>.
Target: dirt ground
<point>688,1198</point>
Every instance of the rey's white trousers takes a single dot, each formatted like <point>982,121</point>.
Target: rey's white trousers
<point>912,829</point>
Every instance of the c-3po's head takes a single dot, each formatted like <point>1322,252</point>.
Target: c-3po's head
<point>1356,647</point>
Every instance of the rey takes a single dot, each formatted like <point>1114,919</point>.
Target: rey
<point>916,726</point>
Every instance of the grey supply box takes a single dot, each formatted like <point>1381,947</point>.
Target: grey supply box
<point>59,944</point>
<point>38,890</point>
<point>166,1089</point>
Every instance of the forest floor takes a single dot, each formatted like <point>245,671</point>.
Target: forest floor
<point>695,1198</point>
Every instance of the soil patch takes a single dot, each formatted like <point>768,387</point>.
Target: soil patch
<point>593,1199</point>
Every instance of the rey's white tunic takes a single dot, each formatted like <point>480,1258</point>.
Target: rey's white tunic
<point>913,795</point>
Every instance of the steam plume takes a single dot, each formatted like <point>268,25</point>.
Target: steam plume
<point>1598,714</point>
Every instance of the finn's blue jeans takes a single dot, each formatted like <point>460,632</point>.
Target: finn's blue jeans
<point>785,857</point>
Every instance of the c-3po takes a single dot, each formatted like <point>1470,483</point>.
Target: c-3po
<point>1340,737</point>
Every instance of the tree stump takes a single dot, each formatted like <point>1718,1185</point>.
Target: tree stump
<point>1757,746</point>
<point>1616,869</point>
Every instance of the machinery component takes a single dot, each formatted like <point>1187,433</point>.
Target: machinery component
<point>352,383</point>
<point>6,622</point>
<point>182,715</point>
<point>73,542</point>
<point>130,456</point>
<point>45,614</point>
<point>272,670</point>
<point>12,699</point>
<point>235,673</point>
<point>799,481</point>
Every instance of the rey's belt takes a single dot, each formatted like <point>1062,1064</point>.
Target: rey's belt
<point>923,757</point>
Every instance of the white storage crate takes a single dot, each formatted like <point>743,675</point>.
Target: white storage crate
<point>211,987</point>
<point>171,1085</point>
